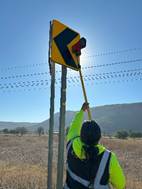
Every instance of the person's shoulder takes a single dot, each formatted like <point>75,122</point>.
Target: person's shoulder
<point>77,148</point>
<point>77,142</point>
<point>113,157</point>
<point>101,148</point>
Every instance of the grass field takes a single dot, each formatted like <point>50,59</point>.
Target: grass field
<point>23,161</point>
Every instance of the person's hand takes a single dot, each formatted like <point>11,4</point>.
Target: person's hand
<point>85,106</point>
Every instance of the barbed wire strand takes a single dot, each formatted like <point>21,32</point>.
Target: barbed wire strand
<point>70,80</point>
<point>111,52</point>
<point>44,87</point>
<point>46,73</point>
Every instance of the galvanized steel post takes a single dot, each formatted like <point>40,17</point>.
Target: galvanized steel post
<point>60,165</point>
<point>51,120</point>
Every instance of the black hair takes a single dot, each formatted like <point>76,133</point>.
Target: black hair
<point>91,152</point>
<point>90,133</point>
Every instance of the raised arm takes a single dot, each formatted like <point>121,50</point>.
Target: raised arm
<point>76,124</point>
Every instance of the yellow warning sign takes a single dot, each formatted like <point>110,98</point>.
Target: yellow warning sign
<point>63,39</point>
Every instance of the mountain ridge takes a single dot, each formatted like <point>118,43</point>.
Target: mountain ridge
<point>111,118</point>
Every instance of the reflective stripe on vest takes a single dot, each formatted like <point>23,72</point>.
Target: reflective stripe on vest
<point>101,170</point>
<point>77,178</point>
<point>99,174</point>
<point>73,175</point>
<point>68,146</point>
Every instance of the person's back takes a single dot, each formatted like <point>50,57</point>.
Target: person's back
<point>89,164</point>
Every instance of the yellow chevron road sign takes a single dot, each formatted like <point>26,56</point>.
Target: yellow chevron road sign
<point>63,39</point>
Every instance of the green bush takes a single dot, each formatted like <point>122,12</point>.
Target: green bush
<point>135,134</point>
<point>122,134</point>
<point>125,134</point>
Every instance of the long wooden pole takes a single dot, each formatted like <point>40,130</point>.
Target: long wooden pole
<point>84,93</point>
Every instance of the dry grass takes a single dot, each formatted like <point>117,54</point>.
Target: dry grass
<point>23,161</point>
<point>129,153</point>
<point>22,176</point>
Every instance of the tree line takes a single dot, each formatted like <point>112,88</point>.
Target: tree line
<point>20,131</point>
<point>128,134</point>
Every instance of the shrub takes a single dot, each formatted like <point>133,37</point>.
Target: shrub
<point>5,131</point>
<point>40,131</point>
<point>122,134</point>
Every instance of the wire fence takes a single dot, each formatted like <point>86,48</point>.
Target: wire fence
<point>33,80</point>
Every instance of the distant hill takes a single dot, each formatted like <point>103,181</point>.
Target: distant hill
<point>111,118</point>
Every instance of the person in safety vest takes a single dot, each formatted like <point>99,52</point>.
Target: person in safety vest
<point>89,164</point>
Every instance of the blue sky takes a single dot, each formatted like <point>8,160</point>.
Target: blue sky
<point>108,26</point>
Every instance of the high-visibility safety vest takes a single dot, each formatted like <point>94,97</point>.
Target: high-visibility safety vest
<point>78,164</point>
<point>76,180</point>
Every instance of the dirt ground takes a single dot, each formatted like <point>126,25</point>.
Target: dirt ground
<point>23,161</point>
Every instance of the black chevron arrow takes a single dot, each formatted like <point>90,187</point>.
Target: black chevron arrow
<point>62,40</point>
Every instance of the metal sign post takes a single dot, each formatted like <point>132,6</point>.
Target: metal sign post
<point>51,120</point>
<point>66,48</point>
<point>60,166</point>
